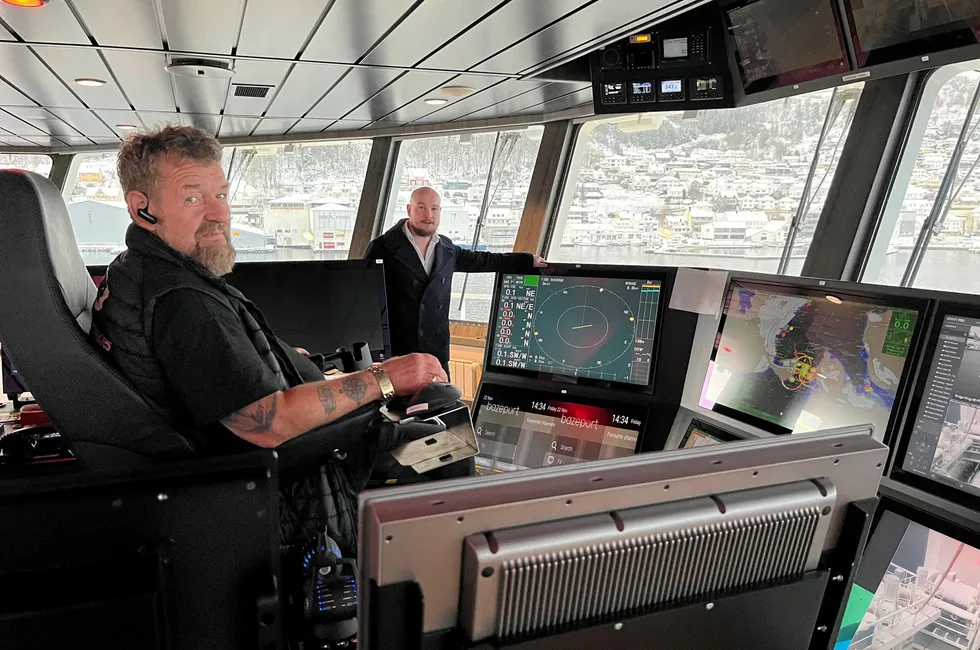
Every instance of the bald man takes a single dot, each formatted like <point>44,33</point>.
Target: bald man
<point>419,267</point>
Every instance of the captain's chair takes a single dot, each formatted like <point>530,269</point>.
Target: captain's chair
<point>46,298</point>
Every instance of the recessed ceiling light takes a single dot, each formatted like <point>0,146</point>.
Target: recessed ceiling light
<point>90,81</point>
<point>458,91</point>
<point>835,300</point>
<point>436,101</point>
<point>26,3</point>
<point>126,127</point>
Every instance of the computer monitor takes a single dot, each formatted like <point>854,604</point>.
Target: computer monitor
<point>940,449</point>
<point>791,358</point>
<point>590,324</point>
<point>320,306</point>
<point>695,548</point>
<point>917,586</point>
<point>701,434</point>
<point>520,429</point>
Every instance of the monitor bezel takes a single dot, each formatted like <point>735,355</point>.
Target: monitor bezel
<point>712,430</point>
<point>664,275</point>
<point>805,288</point>
<point>924,42</point>
<point>843,63</point>
<point>904,437</point>
<point>556,392</point>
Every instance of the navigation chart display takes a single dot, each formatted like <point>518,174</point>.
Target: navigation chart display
<point>805,363</point>
<point>945,442</point>
<point>520,429</point>
<point>598,328</point>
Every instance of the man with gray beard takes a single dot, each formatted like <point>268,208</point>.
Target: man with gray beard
<point>196,349</point>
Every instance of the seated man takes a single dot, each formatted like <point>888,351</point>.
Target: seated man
<point>198,351</point>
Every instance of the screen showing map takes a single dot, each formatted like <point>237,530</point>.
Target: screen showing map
<point>808,362</point>
<point>596,328</point>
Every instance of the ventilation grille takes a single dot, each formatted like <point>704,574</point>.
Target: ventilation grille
<point>244,90</point>
<point>553,590</point>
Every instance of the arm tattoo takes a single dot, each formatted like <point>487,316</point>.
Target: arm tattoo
<point>257,417</point>
<point>327,400</point>
<point>355,389</point>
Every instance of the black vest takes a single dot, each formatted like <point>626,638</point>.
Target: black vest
<point>122,328</point>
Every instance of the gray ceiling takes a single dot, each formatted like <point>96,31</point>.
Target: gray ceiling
<point>330,64</point>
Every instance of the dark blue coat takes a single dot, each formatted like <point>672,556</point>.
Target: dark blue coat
<point>418,305</point>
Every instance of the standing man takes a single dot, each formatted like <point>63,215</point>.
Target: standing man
<point>419,267</point>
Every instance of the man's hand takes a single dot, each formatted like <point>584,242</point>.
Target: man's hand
<point>303,351</point>
<point>412,372</point>
<point>539,262</point>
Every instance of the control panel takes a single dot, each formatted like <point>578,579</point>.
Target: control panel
<point>677,65</point>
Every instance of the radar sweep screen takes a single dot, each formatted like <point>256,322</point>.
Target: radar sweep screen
<point>598,328</point>
<point>805,363</point>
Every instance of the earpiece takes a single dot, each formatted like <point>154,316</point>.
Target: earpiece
<point>145,216</point>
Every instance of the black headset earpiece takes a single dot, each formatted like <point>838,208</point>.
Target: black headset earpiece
<point>145,216</point>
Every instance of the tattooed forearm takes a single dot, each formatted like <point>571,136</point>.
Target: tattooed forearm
<point>327,399</point>
<point>255,418</point>
<point>355,389</point>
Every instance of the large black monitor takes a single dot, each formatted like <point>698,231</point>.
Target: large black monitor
<point>884,31</point>
<point>791,358</point>
<point>918,584</point>
<point>940,450</point>
<point>521,429</point>
<point>320,306</point>
<point>779,43</point>
<point>595,325</point>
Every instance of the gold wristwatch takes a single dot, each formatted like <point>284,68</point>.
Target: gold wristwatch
<point>384,382</point>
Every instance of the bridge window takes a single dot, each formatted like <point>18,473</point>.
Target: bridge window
<point>721,188</point>
<point>39,164</point>
<point>483,179</point>
<point>97,208</point>
<point>929,234</point>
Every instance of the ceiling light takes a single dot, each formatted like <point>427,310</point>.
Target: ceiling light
<point>458,91</point>
<point>126,127</point>
<point>26,3</point>
<point>200,68</point>
<point>90,81</point>
<point>835,300</point>
<point>436,101</point>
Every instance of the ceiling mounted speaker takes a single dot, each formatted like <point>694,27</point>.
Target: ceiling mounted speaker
<point>200,69</point>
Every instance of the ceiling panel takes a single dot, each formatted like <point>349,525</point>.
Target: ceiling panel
<point>237,126</point>
<point>311,126</point>
<point>352,27</point>
<point>45,121</point>
<point>500,30</point>
<point>201,95</point>
<point>16,126</point>
<point>154,120</point>
<point>492,95</point>
<point>74,140</point>
<point>263,73</point>
<point>83,121</point>
<point>408,88</point>
<point>71,63</point>
<point>143,78</point>
<point>112,118</point>
<point>357,86</point>
<point>347,125</point>
<point>266,23</point>
<point>403,46</point>
<point>197,26</point>
<point>125,23</point>
<point>417,109</point>
<point>273,126</point>
<point>6,36</point>
<point>45,140</point>
<point>207,123</point>
<point>26,72</point>
<point>106,140</point>
<point>10,96</point>
<point>15,140</point>
<point>561,103</point>
<point>303,87</point>
<point>52,24</point>
<point>590,22</point>
<point>525,100</point>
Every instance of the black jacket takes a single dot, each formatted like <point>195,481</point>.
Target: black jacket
<point>418,305</point>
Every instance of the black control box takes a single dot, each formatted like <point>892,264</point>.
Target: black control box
<point>680,64</point>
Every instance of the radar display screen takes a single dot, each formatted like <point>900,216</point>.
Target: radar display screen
<point>596,328</point>
<point>789,362</point>
<point>520,429</point>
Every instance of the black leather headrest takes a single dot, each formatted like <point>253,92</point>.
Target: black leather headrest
<point>46,298</point>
